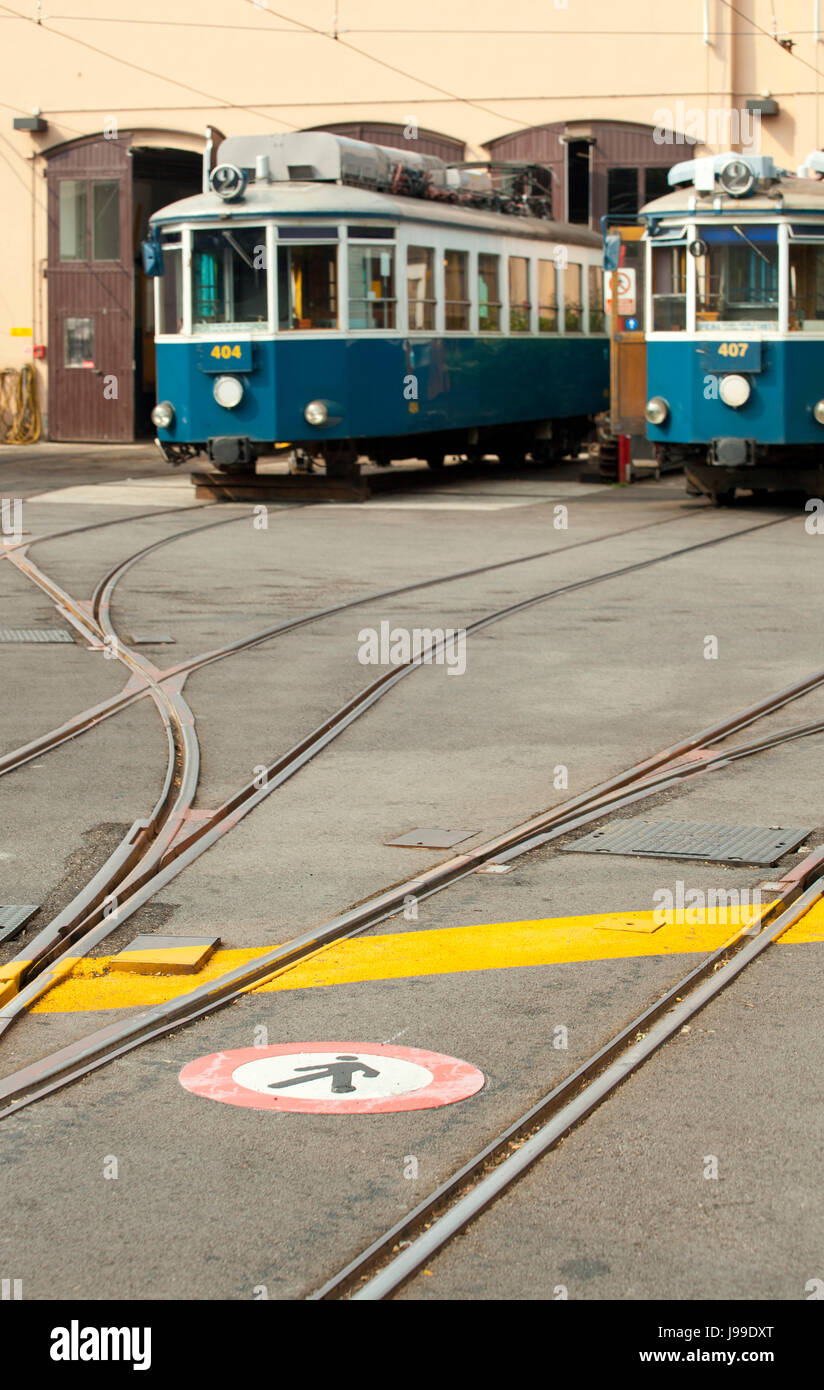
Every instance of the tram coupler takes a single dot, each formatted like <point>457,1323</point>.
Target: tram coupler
<point>231,451</point>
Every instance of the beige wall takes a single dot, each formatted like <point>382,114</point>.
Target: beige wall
<point>474,69</point>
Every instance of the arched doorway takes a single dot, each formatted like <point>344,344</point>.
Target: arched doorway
<point>446,147</point>
<point>598,167</point>
<point>101,193</point>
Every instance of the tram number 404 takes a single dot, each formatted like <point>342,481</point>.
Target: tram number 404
<point>217,357</point>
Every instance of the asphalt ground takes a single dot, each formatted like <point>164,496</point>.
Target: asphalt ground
<point>214,1201</point>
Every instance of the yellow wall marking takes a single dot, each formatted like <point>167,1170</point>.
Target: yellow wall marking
<point>443,951</point>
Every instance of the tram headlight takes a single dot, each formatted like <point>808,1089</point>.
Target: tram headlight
<point>657,410</point>
<point>163,415</point>
<point>818,412</point>
<point>735,390</point>
<point>228,392</point>
<point>316,413</point>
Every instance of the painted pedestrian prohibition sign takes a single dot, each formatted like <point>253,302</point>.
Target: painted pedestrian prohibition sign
<point>332,1078</point>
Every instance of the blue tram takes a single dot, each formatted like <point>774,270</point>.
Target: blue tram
<point>350,299</point>
<point>735,324</point>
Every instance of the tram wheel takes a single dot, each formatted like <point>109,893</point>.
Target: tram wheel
<point>435,460</point>
<point>723,499</point>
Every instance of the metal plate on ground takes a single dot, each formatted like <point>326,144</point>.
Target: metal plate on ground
<point>13,918</point>
<point>165,955</point>
<point>672,839</point>
<point>431,837</point>
<point>35,634</point>
<point>152,639</point>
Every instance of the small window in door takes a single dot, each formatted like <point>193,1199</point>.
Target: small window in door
<point>489,293</point>
<point>106,220</point>
<point>597,317</point>
<point>72,220</point>
<point>519,304</point>
<point>547,297</point>
<point>420,287</point>
<point>456,280</point>
<point>170,297</point>
<point>573,311</point>
<point>78,343</point>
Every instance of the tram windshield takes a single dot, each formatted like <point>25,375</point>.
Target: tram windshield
<point>737,276</point>
<point>229,278</point>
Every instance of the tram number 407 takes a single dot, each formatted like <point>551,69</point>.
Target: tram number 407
<point>732,349</point>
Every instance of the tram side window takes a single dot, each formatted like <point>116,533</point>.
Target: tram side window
<point>669,288</point>
<point>738,276</point>
<point>519,302</point>
<point>806,287</point>
<point>456,265</point>
<point>597,317</point>
<point>489,293</point>
<point>170,315</point>
<point>573,308</point>
<point>547,297</point>
<point>371,286</point>
<point>420,287</point>
<point>229,278</point>
<point>307,287</point>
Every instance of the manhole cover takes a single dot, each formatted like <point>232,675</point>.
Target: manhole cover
<point>672,839</point>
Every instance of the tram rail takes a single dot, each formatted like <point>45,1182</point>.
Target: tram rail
<point>672,765</point>
<point>155,851</point>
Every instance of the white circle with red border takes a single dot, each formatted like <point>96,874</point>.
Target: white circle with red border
<point>332,1078</point>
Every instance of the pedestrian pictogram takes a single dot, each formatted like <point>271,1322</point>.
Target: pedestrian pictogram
<point>334,1078</point>
<point>340,1072</point>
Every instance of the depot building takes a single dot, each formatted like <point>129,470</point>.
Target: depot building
<point>110,116</point>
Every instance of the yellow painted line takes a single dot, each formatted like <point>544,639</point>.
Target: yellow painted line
<point>444,951</point>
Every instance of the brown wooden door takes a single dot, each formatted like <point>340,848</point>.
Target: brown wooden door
<point>91,292</point>
<point>628,355</point>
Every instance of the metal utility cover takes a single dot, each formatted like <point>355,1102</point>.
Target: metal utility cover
<point>35,634</point>
<point>152,639</point>
<point>672,839</point>
<point>431,837</point>
<point>14,917</point>
<point>165,955</point>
